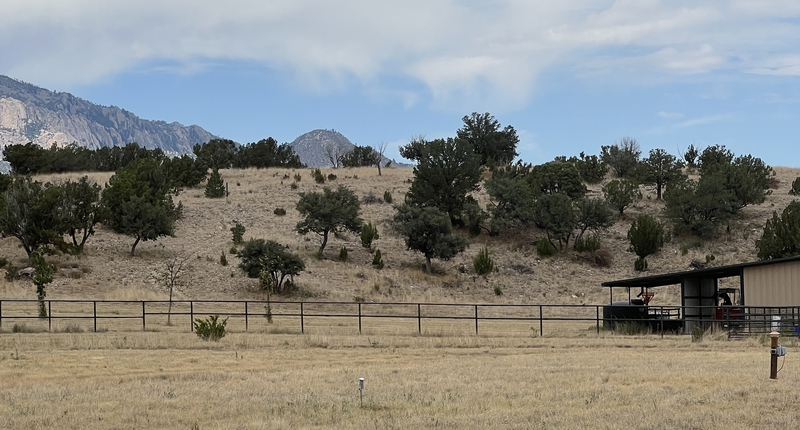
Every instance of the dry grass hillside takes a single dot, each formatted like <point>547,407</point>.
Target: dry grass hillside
<point>106,271</point>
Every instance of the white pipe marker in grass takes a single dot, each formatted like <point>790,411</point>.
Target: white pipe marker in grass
<point>361,390</point>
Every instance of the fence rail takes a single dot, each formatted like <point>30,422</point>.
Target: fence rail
<point>428,318</point>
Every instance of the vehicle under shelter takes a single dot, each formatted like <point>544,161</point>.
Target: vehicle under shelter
<point>766,297</point>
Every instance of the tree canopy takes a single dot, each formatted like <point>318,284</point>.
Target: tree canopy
<point>496,146</point>
<point>428,230</point>
<point>329,211</point>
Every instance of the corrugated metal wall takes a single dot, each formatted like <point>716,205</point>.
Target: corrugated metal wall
<point>772,284</point>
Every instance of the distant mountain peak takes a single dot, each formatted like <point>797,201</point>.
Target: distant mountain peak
<point>32,114</point>
<point>312,147</point>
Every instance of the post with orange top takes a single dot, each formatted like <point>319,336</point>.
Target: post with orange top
<point>773,355</point>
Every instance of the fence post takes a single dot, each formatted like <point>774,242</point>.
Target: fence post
<point>359,318</point>
<point>94,306</point>
<point>1,313</point>
<point>476,320</point>
<point>597,316</point>
<point>144,326</point>
<point>419,318</point>
<point>191,316</point>
<point>49,316</point>
<point>246,325</point>
<point>541,317</point>
<point>302,323</point>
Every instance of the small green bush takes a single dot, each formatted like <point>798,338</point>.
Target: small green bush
<point>697,333</point>
<point>210,328</point>
<point>483,263</point>
<point>223,259</point>
<point>318,176</point>
<point>387,196</point>
<point>498,291</point>
<point>297,177</point>
<point>795,187</point>
<point>640,265</point>
<point>233,250</point>
<point>293,185</point>
<point>545,249</point>
<point>3,262</point>
<point>369,233</point>
<point>588,244</point>
<point>238,233</point>
<point>377,260</point>
<point>343,254</point>
<point>331,177</point>
<point>279,211</point>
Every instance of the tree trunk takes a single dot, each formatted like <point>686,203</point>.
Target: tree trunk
<point>658,191</point>
<point>379,167</point>
<point>324,242</point>
<point>133,248</point>
<point>428,268</point>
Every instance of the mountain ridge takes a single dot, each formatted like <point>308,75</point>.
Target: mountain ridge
<point>29,113</point>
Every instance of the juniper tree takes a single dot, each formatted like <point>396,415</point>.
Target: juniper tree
<point>329,211</point>
<point>429,231</point>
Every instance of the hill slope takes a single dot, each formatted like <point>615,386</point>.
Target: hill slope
<point>32,114</point>
<point>106,271</point>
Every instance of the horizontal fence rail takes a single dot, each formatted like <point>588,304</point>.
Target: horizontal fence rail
<point>422,318</point>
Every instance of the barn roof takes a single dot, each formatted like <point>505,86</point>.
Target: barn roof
<point>677,277</point>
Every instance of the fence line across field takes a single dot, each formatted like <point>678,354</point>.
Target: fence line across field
<point>428,316</point>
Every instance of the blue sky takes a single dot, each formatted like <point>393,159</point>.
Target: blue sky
<point>570,76</point>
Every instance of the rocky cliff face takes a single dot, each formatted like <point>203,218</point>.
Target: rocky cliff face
<point>32,114</point>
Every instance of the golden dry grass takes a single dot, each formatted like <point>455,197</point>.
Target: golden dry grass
<point>278,381</point>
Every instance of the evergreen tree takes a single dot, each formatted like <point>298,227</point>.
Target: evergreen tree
<point>137,203</point>
<point>329,211</point>
<point>659,169</point>
<point>447,171</point>
<point>781,237</point>
<point>215,187</point>
<point>495,146</point>
<point>31,213</point>
<point>80,210</point>
<point>623,157</point>
<point>429,231</point>
<point>647,237</point>
<point>620,194</point>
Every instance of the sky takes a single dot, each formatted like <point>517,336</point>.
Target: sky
<point>568,75</point>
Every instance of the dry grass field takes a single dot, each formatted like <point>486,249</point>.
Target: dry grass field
<point>274,377</point>
<point>278,381</point>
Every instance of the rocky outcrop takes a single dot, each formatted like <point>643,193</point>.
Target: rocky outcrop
<point>32,114</point>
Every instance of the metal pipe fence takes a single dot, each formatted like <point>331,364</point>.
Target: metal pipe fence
<point>406,318</point>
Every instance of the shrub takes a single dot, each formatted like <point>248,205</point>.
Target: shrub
<point>3,262</point>
<point>318,176</point>
<point>370,198</point>
<point>279,211</point>
<point>233,250</point>
<point>238,232</point>
<point>297,177</point>
<point>498,291</point>
<point>589,244</point>
<point>331,177</point>
<point>215,187</point>
<point>545,249</point>
<point>697,333</point>
<point>482,263</point>
<point>795,187</point>
<point>210,328</point>
<point>387,196</point>
<point>369,233</point>
<point>343,254</point>
<point>377,260</point>
<point>223,259</point>
<point>293,185</point>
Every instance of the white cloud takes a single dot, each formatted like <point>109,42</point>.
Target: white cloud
<point>463,52</point>
<point>670,115</point>
<point>694,122</point>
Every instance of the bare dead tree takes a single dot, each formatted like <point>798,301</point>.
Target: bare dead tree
<point>380,149</point>
<point>335,152</point>
<point>173,276</point>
